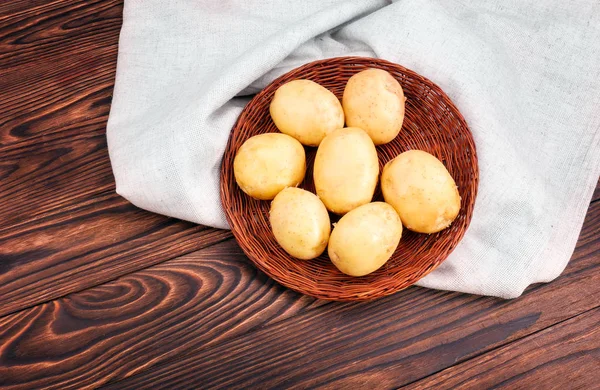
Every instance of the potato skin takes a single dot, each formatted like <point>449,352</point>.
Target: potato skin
<point>374,101</point>
<point>306,111</point>
<point>346,170</point>
<point>364,239</point>
<point>267,163</point>
<point>421,190</point>
<point>300,223</point>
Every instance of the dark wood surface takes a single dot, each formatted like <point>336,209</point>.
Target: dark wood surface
<point>95,292</point>
<point>63,227</point>
<point>534,362</point>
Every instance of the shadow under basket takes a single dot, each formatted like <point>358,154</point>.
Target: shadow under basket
<point>432,123</point>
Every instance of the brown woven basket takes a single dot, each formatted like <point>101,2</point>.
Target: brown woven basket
<point>432,123</point>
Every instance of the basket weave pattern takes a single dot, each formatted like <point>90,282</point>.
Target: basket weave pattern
<point>431,123</point>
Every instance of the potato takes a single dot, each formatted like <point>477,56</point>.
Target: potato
<point>365,238</point>
<point>267,163</point>
<point>306,111</point>
<point>421,190</point>
<point>300,223</point>
<point>346,170</point>
<point>374,101</point>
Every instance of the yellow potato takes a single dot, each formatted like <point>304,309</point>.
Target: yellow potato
<point>267,163</point>
<point>365,238</point>
<point>421,190</point>
<point>306,111</point>
<point>300,223</point>
<point>346,169</point>
<point>374,101</point>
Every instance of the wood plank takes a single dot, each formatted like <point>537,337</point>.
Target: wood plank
<point>57,66</point>
<point>54,109</point>
<point>564,356</point>
<point>73,250</point>
<point>41,180</point>
<point>64,96</point>
<point>596,196</point>
<point>39,33</point>
<point>386,343</point>
<point>63,228</point>
<point>226,321</point>
<point>8,8</point>
<point>121,327</point>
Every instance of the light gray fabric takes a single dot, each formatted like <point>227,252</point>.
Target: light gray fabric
<point>525,74</point>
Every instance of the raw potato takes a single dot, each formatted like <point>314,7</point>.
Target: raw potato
<point>374,101</point>
<point>365,238</point>
<point>267,163</point>
<point>421,190</point>
<point>300,223</point>
<point>346,170</point>
<point>306,111</point>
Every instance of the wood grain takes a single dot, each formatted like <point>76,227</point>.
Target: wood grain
<point>210,318</point>
<point>87,246</point>
<point>45,180</point>
<point>565,356</point>
<point>63,97</point>
<point>56,29</point>
<point>596,195</point>
<point>63,228</point>
<point>122,327</point>
<point>386,343</point>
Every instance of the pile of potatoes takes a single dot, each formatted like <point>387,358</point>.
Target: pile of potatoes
<point>419,192</point>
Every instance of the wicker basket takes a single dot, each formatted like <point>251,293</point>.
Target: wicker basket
<point>432,123</point>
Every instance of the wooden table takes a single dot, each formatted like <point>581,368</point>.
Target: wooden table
<point>95,292</point>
